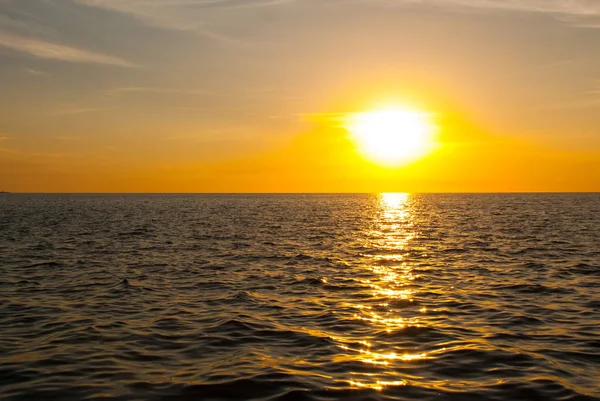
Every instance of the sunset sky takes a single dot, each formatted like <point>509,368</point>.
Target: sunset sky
<point>250,95</point>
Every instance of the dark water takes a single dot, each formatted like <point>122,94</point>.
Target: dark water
<point>359,297</point>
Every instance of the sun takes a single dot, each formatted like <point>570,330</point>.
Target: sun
<point>391,137</point>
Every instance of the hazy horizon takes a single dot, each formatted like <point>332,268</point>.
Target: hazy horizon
<point>304,193</point>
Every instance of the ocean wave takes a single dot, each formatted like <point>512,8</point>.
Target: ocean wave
<point>265,298</point>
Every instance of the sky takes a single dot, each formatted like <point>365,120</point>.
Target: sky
<point>245,95</point>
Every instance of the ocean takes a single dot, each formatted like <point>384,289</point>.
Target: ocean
<point>300,297</point>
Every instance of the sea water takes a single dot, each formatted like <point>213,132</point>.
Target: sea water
<point>300,297</point>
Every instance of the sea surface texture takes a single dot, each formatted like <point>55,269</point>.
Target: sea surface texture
<point>300,297</point>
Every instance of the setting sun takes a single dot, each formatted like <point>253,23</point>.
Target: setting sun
<point>391,137</point>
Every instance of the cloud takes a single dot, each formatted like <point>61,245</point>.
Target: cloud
<point>577,13</point>
<point>53,51</point>
<point>181,15</point>
<point>76,111</point>
<point>570,7</point>
<point>31,71</point>
<point>588,8</point>
<point>3,138</point>
<point>202,16</point>
<point>147,89</point>
<point>230,21</point>
<point>207,18</point>
<point>573,12</point>
<point>19,22</point>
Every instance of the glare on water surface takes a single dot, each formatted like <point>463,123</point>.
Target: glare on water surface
<point>390,283</point>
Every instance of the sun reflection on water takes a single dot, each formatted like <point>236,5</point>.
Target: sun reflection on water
<point>392,282</point>
<point>394,201</point>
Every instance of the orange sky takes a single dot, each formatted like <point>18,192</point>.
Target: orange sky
<point>130,96</point>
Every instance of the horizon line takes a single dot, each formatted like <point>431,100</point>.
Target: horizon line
<point>300,193</point>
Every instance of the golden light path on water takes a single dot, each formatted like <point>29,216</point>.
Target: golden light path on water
<point>393,230</point>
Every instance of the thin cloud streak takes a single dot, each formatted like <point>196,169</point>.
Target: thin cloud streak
<point>31,71</point>
<point>147,89</point>
<point>200,17</point>
<point>204,17</point>
<point>73,112</point>
<point>583,8</point>
<point>165,12</point>
<point>576,13</point>
<point>53,51</point>
<point>576,7</point>
<point>173,15</point>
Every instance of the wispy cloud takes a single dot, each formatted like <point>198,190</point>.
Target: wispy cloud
<point>178,14</point>
<point>181,15</point>
<point>31,71</point>
<point>54,51</point>
<point>201,15</point>
<point>19,22</point>
<point>20,152</point>
<point>67,138</point>
<point>147,89</point>
<point>3,138</point>
<point>570,11</point>
<point>572,7</point>
<point>569,7</point>
<point>76,111</point>
<point>576,13</point>
<point>206,18</point>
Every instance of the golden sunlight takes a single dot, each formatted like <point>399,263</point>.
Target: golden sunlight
<point>391,137</point>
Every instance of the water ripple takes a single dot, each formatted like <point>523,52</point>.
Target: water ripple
<point>298,297</point>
